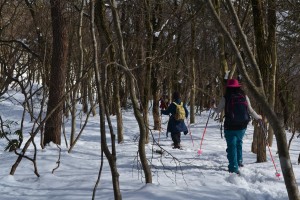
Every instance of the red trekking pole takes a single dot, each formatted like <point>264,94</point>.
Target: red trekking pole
<point>200,150</point>
<point>277,174</point>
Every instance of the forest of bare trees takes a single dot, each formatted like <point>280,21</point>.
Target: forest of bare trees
<point>114,55</point>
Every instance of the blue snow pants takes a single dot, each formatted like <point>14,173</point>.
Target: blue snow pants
<point>234,140</point>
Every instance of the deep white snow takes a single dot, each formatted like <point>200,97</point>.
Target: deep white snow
<point>177,174</point>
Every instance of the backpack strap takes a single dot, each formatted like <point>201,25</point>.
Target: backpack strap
<point>181,104</point>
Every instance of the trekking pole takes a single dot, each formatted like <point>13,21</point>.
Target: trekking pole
<point>190,131</point>
<point>200,150</point>
<point>221,125</point>
<point>277,174</point>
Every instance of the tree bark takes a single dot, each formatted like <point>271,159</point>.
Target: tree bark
<point>272,45</point>
<point>148,70</point>
<point>156,22</point>
<point>261,144</point>
<point>193,71</point>
<point>265,40</point>
<point>58,75</point>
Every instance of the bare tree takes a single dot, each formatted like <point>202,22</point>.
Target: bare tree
<point>102,110</point>
<point>102,25</point>
<point>133,96</point>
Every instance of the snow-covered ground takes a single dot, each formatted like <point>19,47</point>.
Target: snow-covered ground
<point>177,174</point>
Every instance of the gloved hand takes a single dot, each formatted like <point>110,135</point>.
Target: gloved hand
<point>185,132</point>
<point>213,101</point>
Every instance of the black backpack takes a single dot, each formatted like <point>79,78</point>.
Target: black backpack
<point>236,110</point>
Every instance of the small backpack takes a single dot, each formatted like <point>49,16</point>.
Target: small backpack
<point>236,110</point>
<point>180,112</point>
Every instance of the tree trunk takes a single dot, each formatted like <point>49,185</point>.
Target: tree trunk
<point>101,23</point>
<point>117,107</point>
<point>255,138</point>
<point>261,143</point>
<point>193,71</point>
<point>266,48</point>
<point>148,70</point>
<point>263,55</point>
<point>271,44</point>
<point>223,61</point>
<point>77,76</point>
<point>111,157</point>
<point>156,22</point>
<point>156,97</point>
<point>137,113</point>
<point>58,75</point>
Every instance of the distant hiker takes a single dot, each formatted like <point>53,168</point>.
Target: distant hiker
<point>237,109</point>
<point>164,102</point>
<point>176,123</point>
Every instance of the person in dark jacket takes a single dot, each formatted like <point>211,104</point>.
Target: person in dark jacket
<point>234,133</point>
<point>164,102</point>
<point>176,126</point>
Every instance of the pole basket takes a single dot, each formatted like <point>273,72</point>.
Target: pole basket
<point>199,152</point>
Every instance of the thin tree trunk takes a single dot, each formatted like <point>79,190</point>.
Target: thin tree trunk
<point>137,113</point>
<point>84,95</point>
<point>156,67</point>
<point>193,71</point>
<point>156,96</point>
<point>111,157</point>
<point>222,56</point>
<point>148,70</point>
<point>101,23</point>
<point>271,44</point>
<point>78,76</point>
<point>117,107</point>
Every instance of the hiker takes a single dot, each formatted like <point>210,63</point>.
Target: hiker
<point>176,123</point>
<point>164,102</point>
<point>237,109</point>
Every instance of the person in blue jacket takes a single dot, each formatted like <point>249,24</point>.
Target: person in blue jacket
<point>176,126</point>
